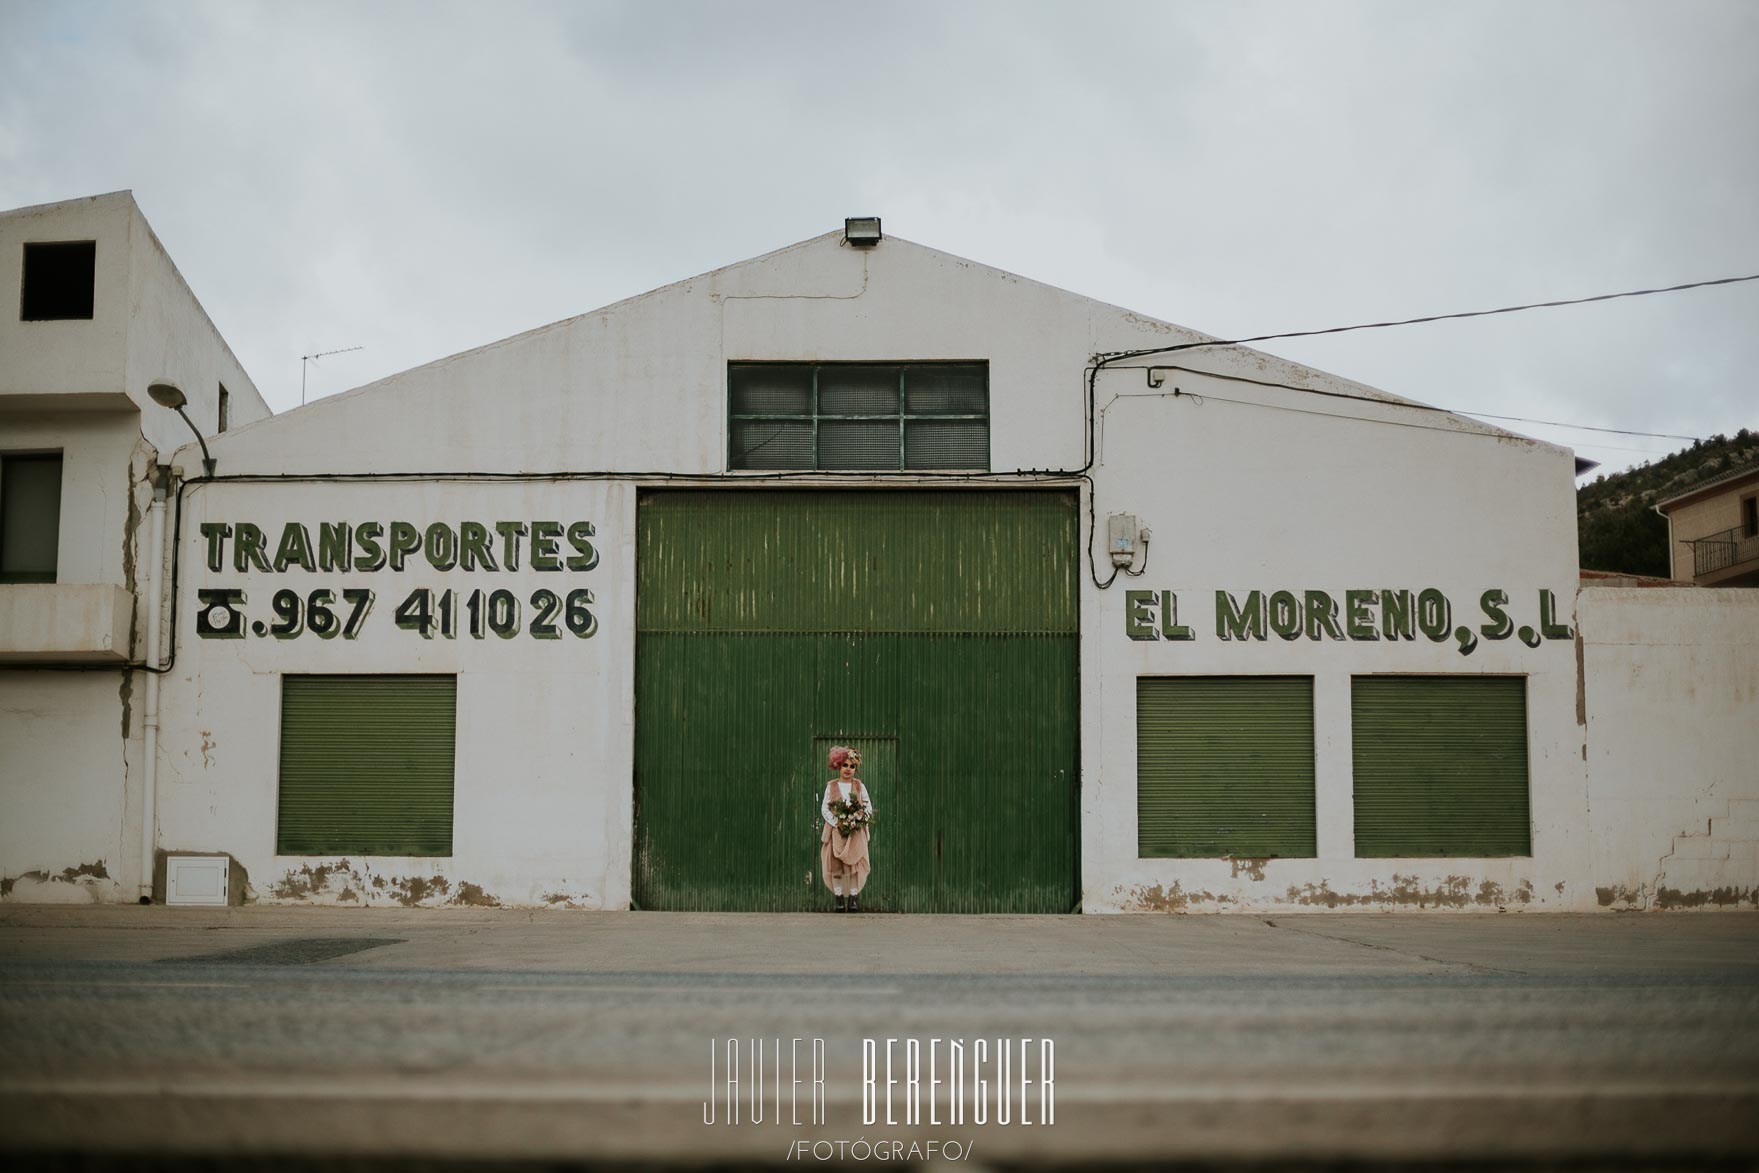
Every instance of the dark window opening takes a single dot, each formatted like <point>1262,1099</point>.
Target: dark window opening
<point>860,417</point>
<point>58,280</point>
<point>1750,516</point>
<point>225,409</point>
<point>30,516</point>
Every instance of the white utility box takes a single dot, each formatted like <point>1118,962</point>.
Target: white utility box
<point>1123,532</point>
<point>197,880</point>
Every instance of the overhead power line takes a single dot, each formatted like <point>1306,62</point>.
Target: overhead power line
<point>1619,448</point>
<point>1115,356</point>
<point>1581,427</point>
<point>1104,360</point>
<point>1397,403</point>
<point>1363,419</point>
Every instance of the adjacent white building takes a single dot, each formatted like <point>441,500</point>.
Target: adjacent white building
<point>94,312</point>
<point>1120,622</point>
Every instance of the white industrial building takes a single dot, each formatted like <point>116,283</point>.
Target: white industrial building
<point>568,620</point>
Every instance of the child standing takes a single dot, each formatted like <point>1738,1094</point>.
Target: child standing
<point>844,857</point>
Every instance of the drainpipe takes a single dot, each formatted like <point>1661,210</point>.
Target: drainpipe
<point>155,569</point>
<point>1667,517</point>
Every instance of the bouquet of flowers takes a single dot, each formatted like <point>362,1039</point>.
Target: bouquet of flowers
<point>852,815</point>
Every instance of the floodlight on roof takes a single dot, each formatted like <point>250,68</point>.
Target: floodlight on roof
<point>862,231</point>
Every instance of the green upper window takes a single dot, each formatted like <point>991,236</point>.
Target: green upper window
<point>864,417</point>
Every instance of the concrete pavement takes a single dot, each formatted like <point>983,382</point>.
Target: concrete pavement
<point>560,1034</point>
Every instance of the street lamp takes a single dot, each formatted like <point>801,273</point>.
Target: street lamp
<point>172,396</point>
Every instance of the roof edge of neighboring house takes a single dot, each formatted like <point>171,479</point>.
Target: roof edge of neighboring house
<point>57,205</point>
<point>1620,578</point>
<point>158,246</point>
<point>1715,483</point>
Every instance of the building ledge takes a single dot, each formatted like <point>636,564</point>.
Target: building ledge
<point>65,623</point>
<point>36,401</point>
<point>1740,574</point>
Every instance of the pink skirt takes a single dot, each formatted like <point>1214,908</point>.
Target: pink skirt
<point>843,859</point>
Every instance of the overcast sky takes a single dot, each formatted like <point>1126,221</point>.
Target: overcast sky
<point>419,179</point>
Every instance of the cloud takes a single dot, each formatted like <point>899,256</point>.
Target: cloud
<point>422,178</point>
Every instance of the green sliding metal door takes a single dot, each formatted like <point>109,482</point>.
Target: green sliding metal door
<point>934,631</point>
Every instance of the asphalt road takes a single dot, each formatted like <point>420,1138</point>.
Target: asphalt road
<point>1516,1040</point>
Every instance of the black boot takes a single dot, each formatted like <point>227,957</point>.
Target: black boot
<point>854,904</point>
<point>842,904</point>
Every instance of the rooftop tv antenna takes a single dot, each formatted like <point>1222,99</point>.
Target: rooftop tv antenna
<point>306,358</point>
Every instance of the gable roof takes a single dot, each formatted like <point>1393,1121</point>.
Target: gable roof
<point>815,300</point>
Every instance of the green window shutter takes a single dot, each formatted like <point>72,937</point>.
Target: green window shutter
<point>1440,765</point>
<point>366,765</point>
<point>1224,766</point>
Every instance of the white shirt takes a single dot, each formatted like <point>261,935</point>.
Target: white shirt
<point>835,791</point>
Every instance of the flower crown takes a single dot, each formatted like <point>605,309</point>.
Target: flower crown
<point>842,755</point>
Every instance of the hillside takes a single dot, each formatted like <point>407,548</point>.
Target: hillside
<point>1617,529</point>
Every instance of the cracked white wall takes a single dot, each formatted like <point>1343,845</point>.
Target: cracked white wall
<point>1672,696</point>
<point>65,760</point>
<point>542,801</point>
<point>1242,497</point>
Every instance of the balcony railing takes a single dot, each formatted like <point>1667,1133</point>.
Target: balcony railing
<point>1722,550</point>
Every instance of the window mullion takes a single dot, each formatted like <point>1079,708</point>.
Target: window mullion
<point>815,461</point>
<point>901,370</point>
